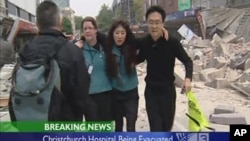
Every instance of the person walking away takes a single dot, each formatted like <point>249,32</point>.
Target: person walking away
<point>51,82</point>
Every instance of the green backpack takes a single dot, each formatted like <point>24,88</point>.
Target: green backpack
<point>33,84</point>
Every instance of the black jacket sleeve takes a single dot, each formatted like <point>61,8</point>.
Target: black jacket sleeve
<point>81,81</point>
<point>184,58</point>
<point>140,51</point>
<point>101,38</point>
<point>75,80</point>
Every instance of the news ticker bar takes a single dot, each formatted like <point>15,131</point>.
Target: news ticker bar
<point>125,136</point>
<point>35,126</point>
<point>56,131</point>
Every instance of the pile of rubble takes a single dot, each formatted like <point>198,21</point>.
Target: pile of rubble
<point>5,84</point>
<point>221,63</point>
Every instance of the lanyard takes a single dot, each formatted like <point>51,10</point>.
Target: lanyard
<point>120,61</point>
<point>119,68</point>
<point>120,57</point>
<point>94,54</point>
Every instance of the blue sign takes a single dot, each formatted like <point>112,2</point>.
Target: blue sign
<point>181,14</point>
<point>138,136</point>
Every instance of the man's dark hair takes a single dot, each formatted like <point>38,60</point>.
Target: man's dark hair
<point>48,14</point>
<point>157,9</point>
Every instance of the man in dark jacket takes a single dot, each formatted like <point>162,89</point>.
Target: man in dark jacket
<point>74,76</point>
<point>160,93</point>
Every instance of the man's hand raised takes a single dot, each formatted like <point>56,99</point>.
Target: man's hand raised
<point>165,33</point>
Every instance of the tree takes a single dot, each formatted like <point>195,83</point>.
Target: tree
<point>78,20</point>
<point>67,25</point>
<point>118,12</point>
<point>104,18</point>
<point>138,10</point>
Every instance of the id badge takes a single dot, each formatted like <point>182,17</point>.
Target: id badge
<point>90,69</point>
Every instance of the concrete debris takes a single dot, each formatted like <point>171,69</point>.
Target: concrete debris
<point>196,76</point>
<point>243,88</point>
<point>199,86</point>
<point>197,43</point>
<point>197,65</point>
<point>245,76</point>
<point>247,64</point>
<point>179,77</point>
<point>218,83</point>
<point>228,119</point>
<point>218,62</point>
<point>194,54</point>
<point>227,22</point>
<point>216,39</point>
<point>184,43</point>
<point>197,54</point>
<point>224,109</point>
<point>222,63</point>
<point>239,61</point>
<point>230,38</point>
<point>208,75</point>
<point>221,50</point>
<point>232,74</point>
<point>5,84</point>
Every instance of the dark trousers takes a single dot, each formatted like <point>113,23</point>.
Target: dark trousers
<point>160,107</point>
<point>126,105</point>
<point>99,107</point>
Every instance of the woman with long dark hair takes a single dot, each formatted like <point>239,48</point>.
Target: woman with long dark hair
<point>121,62</point>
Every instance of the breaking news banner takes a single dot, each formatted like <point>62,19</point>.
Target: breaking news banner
<point>97,131</point>
<point>239,132</point>
<point>125,136</point>
<point>29,126</point>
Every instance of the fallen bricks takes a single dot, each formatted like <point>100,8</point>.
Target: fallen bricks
<point>239,61</point>
<point>244,88</point>
<point>179,76</point>
<point>217,62</point>
<point>207,75</point>
<point>221,50</point>
<point>224,109</point>
<point>245,76</point>
<point>225,114</point>
<point>247,64</point>
<point>218,83</point>
<point>221,61</point>
<point>227,119</point>
<point>196,76</point>
<point>197,66</point>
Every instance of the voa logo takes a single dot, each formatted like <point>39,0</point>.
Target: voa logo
<point>192,136</point>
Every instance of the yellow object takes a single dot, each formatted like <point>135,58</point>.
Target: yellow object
<point>197,120</point>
